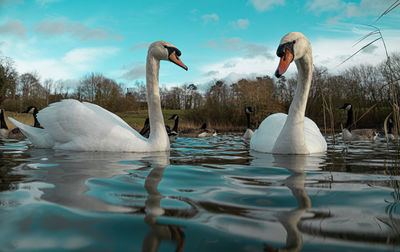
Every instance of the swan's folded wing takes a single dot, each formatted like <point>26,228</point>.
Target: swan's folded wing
<point>70,120</point>
<point>264,138</point>
<point>110,116</point>
<point>315,141</point>
<point>38,136</point>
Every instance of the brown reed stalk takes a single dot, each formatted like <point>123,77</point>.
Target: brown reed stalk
<point>386,129</point>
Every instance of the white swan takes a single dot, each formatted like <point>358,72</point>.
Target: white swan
<point>293,133</point>
<point>72,125</point>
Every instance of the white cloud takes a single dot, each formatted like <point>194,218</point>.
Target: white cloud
<point>14,27</point>
<point>140,45</point>
<point>263,5</point>
<point>135,73</point>
<point>236,68</point>
<point>70,65</point>
<point>347,9</point>
<point>241,24</point>
<point>208,18</point>
<point>236,44</point>
<point>84,57</point>
<point>53,27</point>
<point>46,2</point>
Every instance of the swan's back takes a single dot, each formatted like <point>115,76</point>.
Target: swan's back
<point>66,123</point>
<point>265,136</point>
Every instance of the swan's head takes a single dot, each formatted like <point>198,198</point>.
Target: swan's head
<point>163,50</point>
<point>293,46</point>
<point>249,110</point>
<point>346,106</point>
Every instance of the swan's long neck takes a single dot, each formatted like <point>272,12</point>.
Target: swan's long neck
<point>3,124</point>
<point>298,106</point>
<point>291,139</point>
<point>158,133</point>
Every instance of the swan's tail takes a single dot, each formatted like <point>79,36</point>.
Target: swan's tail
<point>38,136</point>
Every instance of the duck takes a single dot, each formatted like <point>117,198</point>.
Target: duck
<point>203,131</point>
<point>83,126</point>
<point>249,132</point>
<point>356,134</point>
<point>292,133</point>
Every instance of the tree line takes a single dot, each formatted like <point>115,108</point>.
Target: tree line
<point>222,104</point>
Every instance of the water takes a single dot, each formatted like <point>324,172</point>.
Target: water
<point>209,194</point>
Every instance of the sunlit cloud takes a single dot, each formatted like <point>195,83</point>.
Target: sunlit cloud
<point>54,27</point>
<point>236,44</point>
<point>136,72</point>
<point>242,24</point>
<point>139,46</point>
<point>209,18</point>
<point>263,5</point>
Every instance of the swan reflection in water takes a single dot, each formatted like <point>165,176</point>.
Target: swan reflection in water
<point>298,165</point>
<point>74,176</point>
<point>158,232</point>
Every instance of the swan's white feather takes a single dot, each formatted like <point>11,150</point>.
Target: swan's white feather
<point>265,136</point>
<point>72,125</point>
<point>38,136</point>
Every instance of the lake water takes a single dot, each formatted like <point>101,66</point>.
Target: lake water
<point>210,194</point>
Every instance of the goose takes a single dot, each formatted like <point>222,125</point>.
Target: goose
<point>16,132</point>
<point>357,134</point>
<point>174,130</point>
<point>34,111</point>
<point>145,131</point>
<point>82,126</point>
<point>5,132</point>
<point>292,133</point>
<point>390,135</point>
<point>203,131</point>
<point>249,132</point>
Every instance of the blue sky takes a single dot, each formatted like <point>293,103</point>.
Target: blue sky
<point>219,39</point>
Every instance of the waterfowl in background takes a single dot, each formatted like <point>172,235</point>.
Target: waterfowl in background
<point>249,132</point>
<point>292,133</point>
<point>203,131</point>
<point>389,126</point>
<point>356,134</point>
<point>174,130</point>
<point>82,126</point>
<point>16,132</point>
<point>34,111</point>
<point>5,132</point>
<point>145,131</point>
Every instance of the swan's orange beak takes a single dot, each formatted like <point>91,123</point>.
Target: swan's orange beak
<point>284,63</point>
<point>175,58</point>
